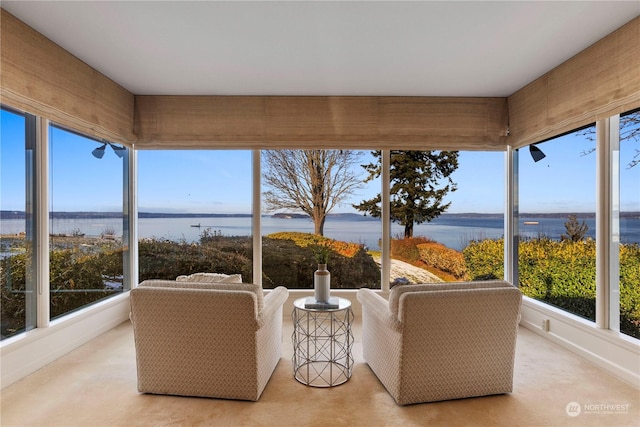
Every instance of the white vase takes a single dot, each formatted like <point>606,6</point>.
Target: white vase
<point>322,283</point>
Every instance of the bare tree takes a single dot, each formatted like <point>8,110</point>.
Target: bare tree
<point>629,131</point>
<point>313,181</point>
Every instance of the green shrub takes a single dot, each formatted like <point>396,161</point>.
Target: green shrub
<point>13,292</point>
<point>406,249</point>
<point>484,259</point>
<point>630,289</point>
<point>305,240</point>
<point>166,259</point>
<point>289,259</point>
<point>562,274</point>
<point>443,258</point>
<point>77,278</point>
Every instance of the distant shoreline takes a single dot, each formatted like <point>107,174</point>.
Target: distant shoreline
<point>8,215</point>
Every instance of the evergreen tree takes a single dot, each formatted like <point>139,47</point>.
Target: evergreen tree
<point>575,230</point>
<point>416,194</point>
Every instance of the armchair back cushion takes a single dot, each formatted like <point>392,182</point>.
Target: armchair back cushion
<point>221,286</point>
<point>397,291</point>
<point>210,277</point>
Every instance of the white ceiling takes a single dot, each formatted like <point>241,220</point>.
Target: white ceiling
<point>430,48</point>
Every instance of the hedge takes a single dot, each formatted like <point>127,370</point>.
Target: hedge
<point>77,278</point>
<point>444,259</point>
<point>563,274</point>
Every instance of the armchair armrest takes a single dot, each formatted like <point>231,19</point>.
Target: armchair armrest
<point>273,301</point>
<point>378,307</point>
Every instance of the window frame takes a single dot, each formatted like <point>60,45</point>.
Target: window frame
<point>31,209</point>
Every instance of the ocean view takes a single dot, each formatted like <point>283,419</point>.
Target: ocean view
<point>453,230</point>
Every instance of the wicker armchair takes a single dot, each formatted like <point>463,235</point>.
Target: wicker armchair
<point>442,341</point>
<point>220,340</point>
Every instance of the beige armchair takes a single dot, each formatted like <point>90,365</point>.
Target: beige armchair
<point>220,340</point>
<point>436,342</point>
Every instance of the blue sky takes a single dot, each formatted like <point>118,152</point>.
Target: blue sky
<point>223,180</point>
<point>220,181</point>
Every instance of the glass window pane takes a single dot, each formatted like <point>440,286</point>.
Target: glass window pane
<point>630,224</point>
<point>17,224</point>
<point>557,250</point>
<point>300,185</point>
<point>447,216</point>
<point>194,213</point>
<point>86,216</point>
<point>474,223</point>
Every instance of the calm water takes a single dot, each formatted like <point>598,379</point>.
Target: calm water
<point>454,232</point>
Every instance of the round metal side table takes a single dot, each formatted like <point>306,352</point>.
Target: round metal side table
<point>322,343</point>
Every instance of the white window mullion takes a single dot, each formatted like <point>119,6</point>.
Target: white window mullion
<point>511,212</point>
<point>385,206</point>
<point>132,215</point>
<point>602,223</point>
<point>607,224</point>
<point>256,218</point>
<point>42,220</point>
<point>614,223</point>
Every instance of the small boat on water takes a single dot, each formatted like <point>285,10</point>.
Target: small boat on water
<point>531,223</point>
<point>195,225</point>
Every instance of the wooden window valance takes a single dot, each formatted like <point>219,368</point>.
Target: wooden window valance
<point>269,122</point>
<point>599,82</point>
<point>39,77</point>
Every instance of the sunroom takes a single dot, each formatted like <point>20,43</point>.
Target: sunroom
<point>98,75</point>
